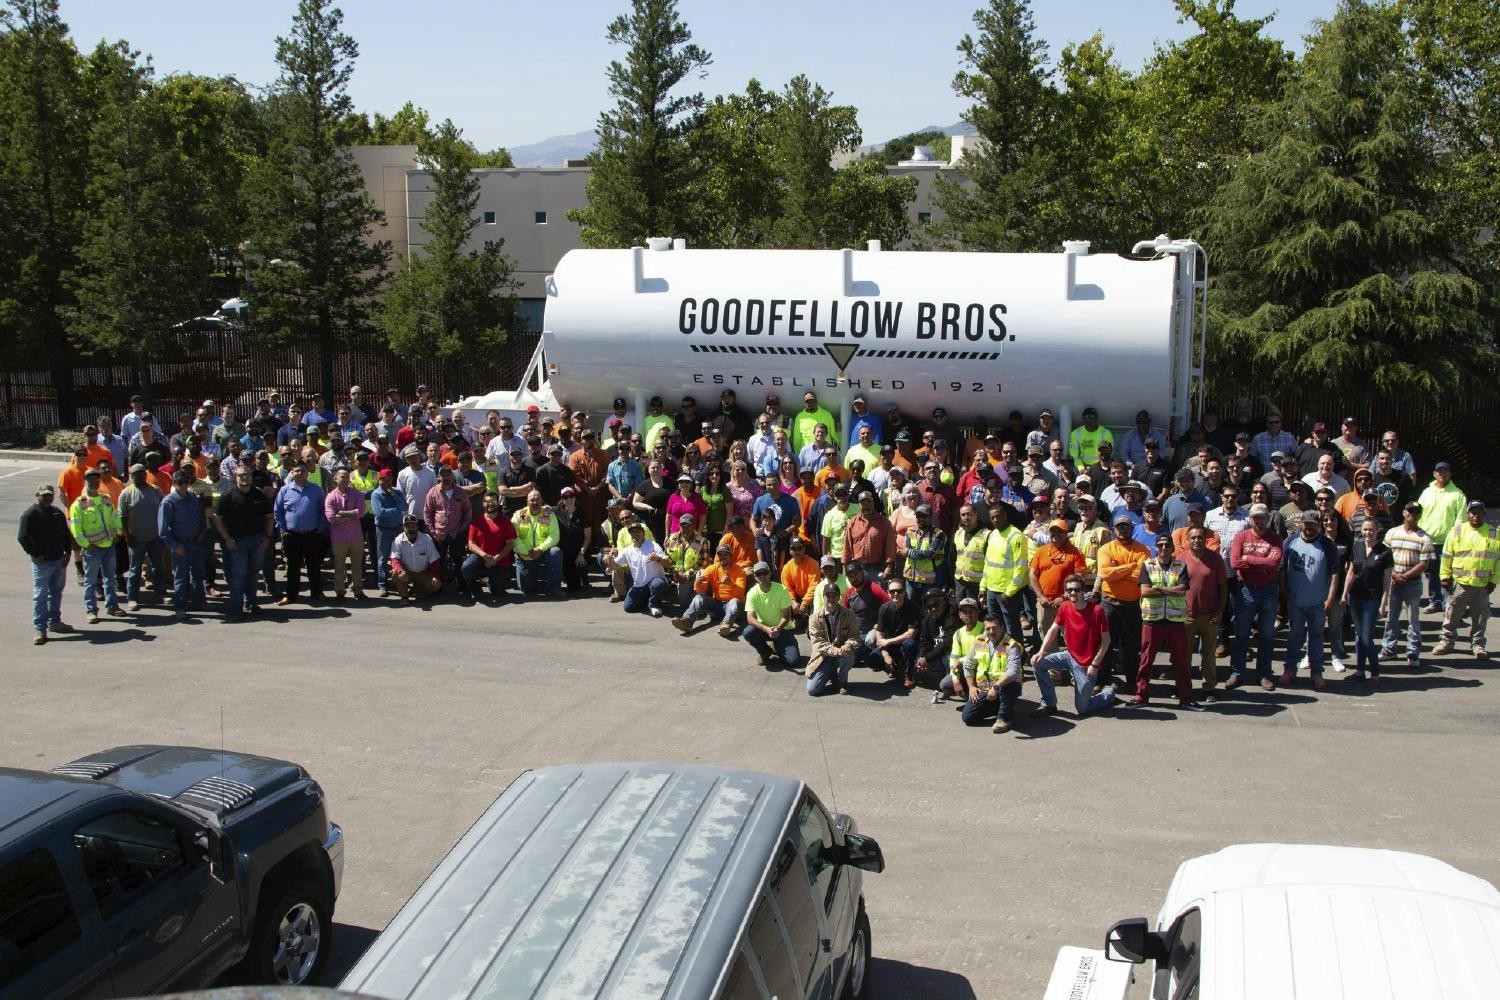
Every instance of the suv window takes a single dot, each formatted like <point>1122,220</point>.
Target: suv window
<point>36,920</point>
<point>817,843</point>
<point>123,853</point>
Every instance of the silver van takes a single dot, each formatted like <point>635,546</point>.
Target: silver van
<point>637,880</point>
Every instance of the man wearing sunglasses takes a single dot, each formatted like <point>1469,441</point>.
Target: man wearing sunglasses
<point>1086,630</point>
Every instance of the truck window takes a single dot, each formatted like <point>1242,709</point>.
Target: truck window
<point>741,982</point>
<point>770,944</point>
<point>36,920</point>
<point>1182,961</point>
<point>794,902</point>
<point>817,841</point>
<point>123,853</point>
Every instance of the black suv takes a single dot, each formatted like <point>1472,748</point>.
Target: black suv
<point>147,868</point>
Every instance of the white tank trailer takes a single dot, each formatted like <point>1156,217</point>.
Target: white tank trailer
<point>979,333</point>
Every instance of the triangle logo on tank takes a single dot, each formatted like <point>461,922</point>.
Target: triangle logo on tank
<point>841,354</point>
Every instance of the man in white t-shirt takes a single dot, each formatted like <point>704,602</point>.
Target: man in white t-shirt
<point>647,565</point>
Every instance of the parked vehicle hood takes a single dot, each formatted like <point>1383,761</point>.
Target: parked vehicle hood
<point>211,781</point>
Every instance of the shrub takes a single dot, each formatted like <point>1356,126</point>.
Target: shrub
<point>63,440</point>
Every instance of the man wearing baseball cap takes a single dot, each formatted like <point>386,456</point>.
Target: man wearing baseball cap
<point>1443,505</point>
<point>1310,569</point>
<point>183,525</point>
<point>647,566</point>
<point>811,414</point>
<point>1256,556</point>
<point>1471,561</point>
<point>46,538</point>
<point>770,619</point>
<point>1117,584</point>
<point>96,527</point>
<point>1084,441</point>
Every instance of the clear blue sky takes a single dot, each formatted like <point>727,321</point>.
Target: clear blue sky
<point>509,73</point>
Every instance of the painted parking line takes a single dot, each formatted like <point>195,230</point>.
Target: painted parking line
<point>20,472</point>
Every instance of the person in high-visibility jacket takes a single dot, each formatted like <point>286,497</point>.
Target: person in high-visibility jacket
<point>1007,570</point>
<point>1164,612</point>
<point>993,669</point>
<point>1470,564</point>
<point>1443,506</point>
<point>1084,441</point>
<point>969,632</point>
<point>96,526</point>
<point>537,549</point>
<point>969,544</point>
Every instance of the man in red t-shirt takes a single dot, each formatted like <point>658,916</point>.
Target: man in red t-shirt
<point>1208,586</point>
<point>492,537</point>
<point>1086,630</point>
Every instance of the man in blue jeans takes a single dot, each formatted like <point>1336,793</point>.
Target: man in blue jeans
<point>45,537</point>
<point>1310,569</point>
<point>183,526</point>
<point>1256,556</point>
<point>647,565</point>
<point>243,520</point>
<point>1412,552</point>
<point>1084,629</point>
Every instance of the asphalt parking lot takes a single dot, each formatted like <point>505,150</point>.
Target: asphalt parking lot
<point>1000,849</point>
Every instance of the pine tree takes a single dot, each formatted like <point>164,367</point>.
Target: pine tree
<point>1009,79</point>
<point>145,250</point>
<point>1332,268</point>
<point>42,151</point>
<point>641,167</point>
<point>447,302</point>
<point>310,217</point>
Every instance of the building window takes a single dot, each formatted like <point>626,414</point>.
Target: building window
<point>924,217</point>
<point>541,218</point>
<point>489,218</point>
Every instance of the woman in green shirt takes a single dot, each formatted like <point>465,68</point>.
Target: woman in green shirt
<point>715,495</point>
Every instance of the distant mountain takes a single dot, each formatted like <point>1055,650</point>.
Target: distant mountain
<point>555,151</point>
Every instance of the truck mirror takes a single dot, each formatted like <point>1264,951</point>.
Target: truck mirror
<point>212,850</point>
<point>863,853</point>
<point>1133,941</point>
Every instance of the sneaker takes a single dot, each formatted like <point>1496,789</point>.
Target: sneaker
<point>1041,711</point>
<point>655,612</point>
<point>1413,663</point>
<point>1234,681</point>
<point>133,606</point>
<point>727,630</point>
<point>383,592</point>
<point>1207,698</point>
<point>681,624</point>
<point>1388,654</point>
<point>1189,706</point>
<point>615,598</point>
<point>40,639</point>
<point>115,612</point>
<point>1003,726</point>
<point>1268,684</point>
<point>1336,664</point>
<point>1318,684</point>
<point>1303,663</point>
<point>1136,703</point>
<point>93,618</point>
<point>1443,648</point>
<point>1288,678</point>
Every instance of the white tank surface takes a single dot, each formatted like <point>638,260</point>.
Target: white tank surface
<point>979,333</point>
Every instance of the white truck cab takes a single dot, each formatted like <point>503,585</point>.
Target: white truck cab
<point>1291,921</point>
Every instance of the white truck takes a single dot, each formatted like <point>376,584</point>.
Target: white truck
<point>1297,921</point>
<point>978,333</point>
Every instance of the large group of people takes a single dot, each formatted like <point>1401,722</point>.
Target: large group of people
<point>960,558</point>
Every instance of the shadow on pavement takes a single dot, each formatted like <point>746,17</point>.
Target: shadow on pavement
<point>889,978</point>
<point>97,636</point>
<point>1028,728</point>
<point>349,943</point>
<point>1257,702</point>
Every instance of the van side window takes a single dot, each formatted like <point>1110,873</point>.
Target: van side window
<point>741,982</point>
<point>1184,958</point>
<point>123,853</point>
<point>36,920</point>
<point>769,942</point>
<point>817,843</point>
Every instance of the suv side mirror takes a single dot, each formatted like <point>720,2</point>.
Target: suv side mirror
<point>863,853</point>
<point>1133,941</point>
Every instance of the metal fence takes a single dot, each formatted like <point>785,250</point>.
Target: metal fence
<point>223,366</point>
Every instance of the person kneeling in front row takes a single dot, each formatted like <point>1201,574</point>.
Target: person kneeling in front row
<point>834,636</point>
<point>771,619</point>
<point>647,565</point>
<point>1087,632</point>
<point>415,563</point>
<point>992,668</point>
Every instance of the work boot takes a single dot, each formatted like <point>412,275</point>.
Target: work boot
<point>1443,648</point>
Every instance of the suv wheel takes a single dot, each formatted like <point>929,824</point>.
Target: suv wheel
<point>293,934</point>
<point>857,983</point>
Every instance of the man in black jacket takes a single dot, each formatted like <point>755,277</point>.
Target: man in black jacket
<point>45,536</point>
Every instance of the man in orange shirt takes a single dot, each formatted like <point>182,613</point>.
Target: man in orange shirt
<point>721,592</point>
<point>1118,585</point>
<point>70,488</point>
<point>806,495</point>
<point>799,575</point>
<point>1050,569</point>
<point>831,470</point>
<point>97,451</point>
<point>741,541</point>
<point>1180,541</point>
<point>161,480</point>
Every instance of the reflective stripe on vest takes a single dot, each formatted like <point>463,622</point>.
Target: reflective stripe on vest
<point>1470,556</point>
<point>1172,608</point>
<point>1005,568</point>
<point>968,564</point>
<point>989,662</point>
<point>94,521</point>
<point>919,569</point>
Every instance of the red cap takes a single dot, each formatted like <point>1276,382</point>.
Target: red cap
<point>533,408</point>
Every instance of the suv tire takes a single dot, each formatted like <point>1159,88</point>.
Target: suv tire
<point>293,933</point>
<point>857,983</point>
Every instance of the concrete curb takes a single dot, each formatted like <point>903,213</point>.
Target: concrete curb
<point>44,457</point>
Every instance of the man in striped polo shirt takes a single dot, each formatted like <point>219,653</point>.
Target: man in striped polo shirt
<point>1412,551</point>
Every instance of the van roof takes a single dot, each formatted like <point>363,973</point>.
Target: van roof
<point>1291,921</point>
<point>589,880</point>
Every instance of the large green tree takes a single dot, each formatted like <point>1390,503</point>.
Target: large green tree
<point>450,301</point>
<point>151,222</point>
<point>43,148</point>
<point>311,220</point>
<point>731,197</point>
<point>642,170</point>
<point>1010,178</point>
<point>1333,269</point>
